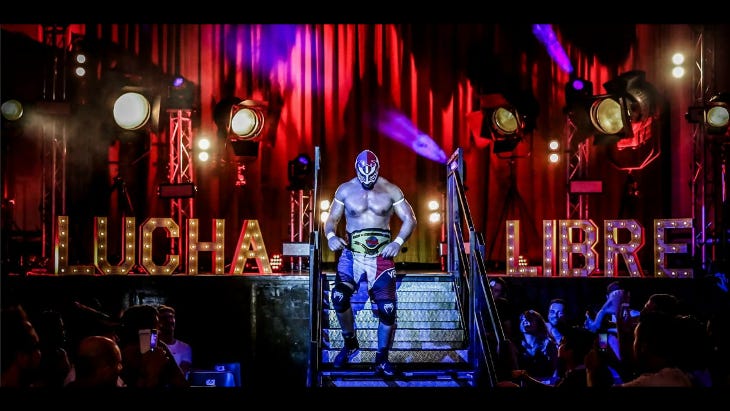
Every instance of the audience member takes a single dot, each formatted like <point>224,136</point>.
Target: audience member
<point>556,313</point>
<point>88,321</point>
<point>694,349</point>
<point>575,345</point>
<point>656,353</point>
<point>507,352</point>
<point>572,352</point>
<point>21,353</point>
<point>55,363</point>
<point>181,351</point>
<point>538,353</point>
<point>504,306</point>
<point>617,319</point>
<point>663,302</point>
<point>98,363</point>
<point>498,287</point>
<point>718,332</point>
<point>153,368</point>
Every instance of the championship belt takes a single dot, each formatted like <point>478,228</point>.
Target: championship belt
<point>369,241</point>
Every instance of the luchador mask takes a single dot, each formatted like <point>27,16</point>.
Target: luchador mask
<point>367,166</point>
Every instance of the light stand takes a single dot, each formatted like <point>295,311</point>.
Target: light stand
<point>511,199</point>
<point>121,186</point>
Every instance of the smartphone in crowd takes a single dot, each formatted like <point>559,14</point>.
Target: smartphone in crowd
<point>603,341</point>
<point>147,340</point>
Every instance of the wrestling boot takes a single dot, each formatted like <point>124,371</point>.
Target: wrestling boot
<point>349,351</point>
<point>383,367</point>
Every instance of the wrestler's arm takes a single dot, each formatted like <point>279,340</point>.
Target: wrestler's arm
<point>404,211</point>
<point>337,210</point>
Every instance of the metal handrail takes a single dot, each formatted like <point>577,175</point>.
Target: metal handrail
<point>315,290</point>
<point>470,278</point>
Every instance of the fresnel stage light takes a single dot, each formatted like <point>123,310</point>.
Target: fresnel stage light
<point>131,110</point>
<point>498,121</point>
<point>717,117</point>
<point>245,127</point>
<point>242,124</point>
<point>714,115</point>
<point>136,108</point>
<point>12,110</point>
<point>247,121</point>
<point>624,112</point>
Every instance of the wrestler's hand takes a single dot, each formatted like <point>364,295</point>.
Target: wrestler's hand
<point>391,250</point>
<point>336,243</point>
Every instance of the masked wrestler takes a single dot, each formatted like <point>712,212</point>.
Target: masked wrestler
<point>367,201</point>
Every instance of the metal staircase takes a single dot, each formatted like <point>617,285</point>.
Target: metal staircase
<point>430,346</point>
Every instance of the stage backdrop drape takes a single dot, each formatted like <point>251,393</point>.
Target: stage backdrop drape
<point>348,87</point>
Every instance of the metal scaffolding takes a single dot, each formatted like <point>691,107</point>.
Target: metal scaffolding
<point>55,106</point>
<point>300,222</point>
<point>576,204</point>
<point>708,172</point>
<point>180,171</point>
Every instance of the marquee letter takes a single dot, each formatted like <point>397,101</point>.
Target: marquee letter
<point>172,260</point>
<point>101,234</point>
<point>250,245</point>
<point>513,251</point>
<point>662,248</point>
<point>216,246</point>
<point>548,248</point>
<point>61,263</point>
<point>612,248</point>
<point>569,247</point>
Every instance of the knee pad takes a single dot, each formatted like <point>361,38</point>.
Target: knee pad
<point>340,297</point>
<point>387,311</point>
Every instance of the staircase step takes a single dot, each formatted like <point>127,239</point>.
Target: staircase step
<point>418,379</point>
<point>367,356</point>
<point>406,286</point>
<point>449,318</point>
<point>405,315</point>
<point>408,305</point>
<point>372,323</point>
<point>419,336</point>
<point>410,297</point>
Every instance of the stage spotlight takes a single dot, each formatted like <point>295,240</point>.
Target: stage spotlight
<point>204,146</point>
<point>678,70</point>
<point>247,120</point>
<point>12,110</point>
<point>717,117</point>
<point>222,117</point>
<point>641,99</point>
<point>630,103</point>
<point>605,117</point>
<point>554,151</point>
<point>714,114</point>
<point>501,122</point>
<point>498,122</point>
<point>434,208</point>
<point>324,207</point>
<point>180,94</point>
<point>80,59</point>
<point>131,110</point>
<point>301,171</point>
<point>577,89</point>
